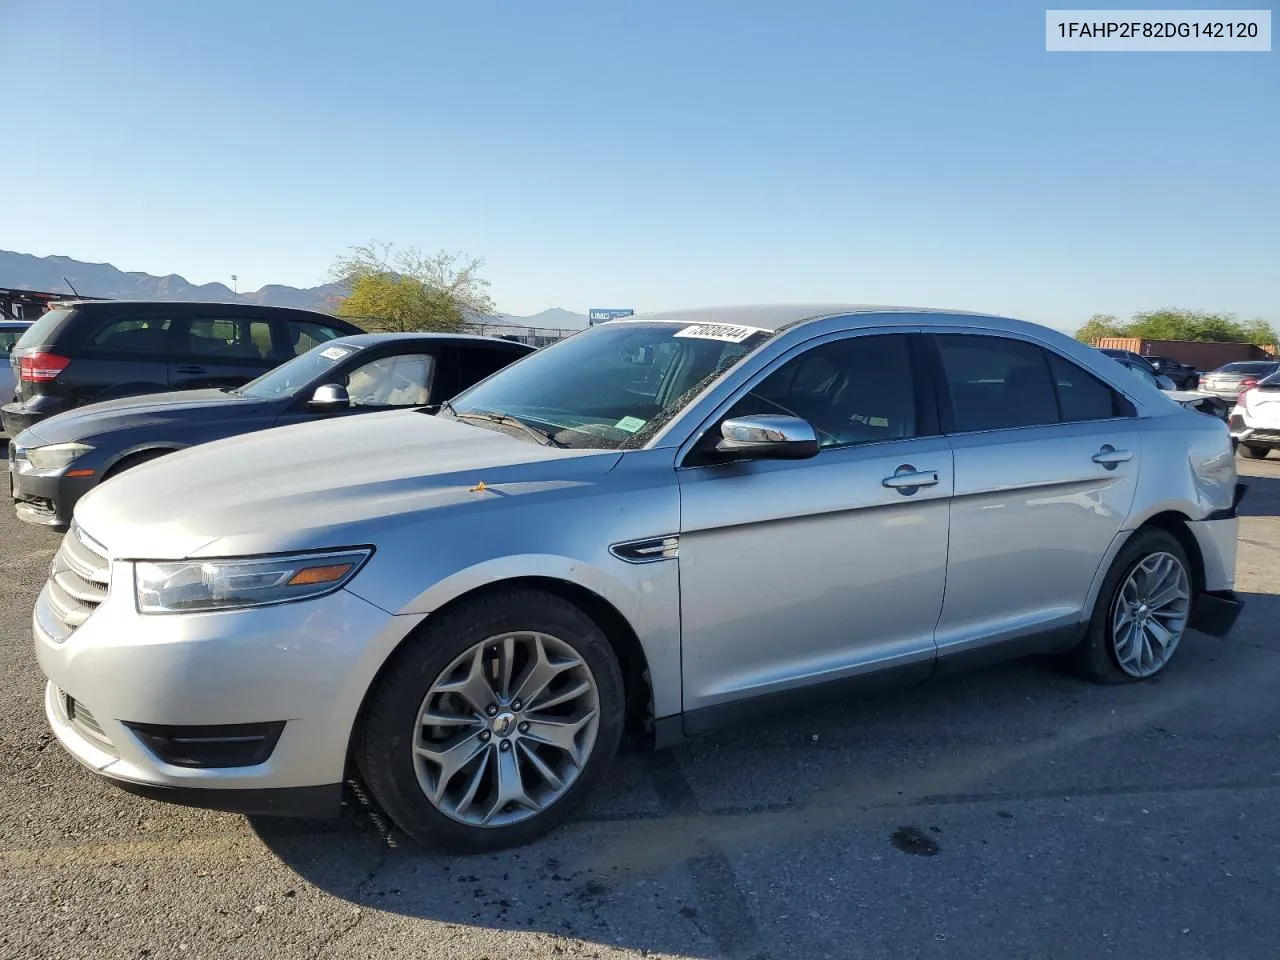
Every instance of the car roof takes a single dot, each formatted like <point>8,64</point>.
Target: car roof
<point>781,316</point>
<point>158,305</point>
<point>372,339</point>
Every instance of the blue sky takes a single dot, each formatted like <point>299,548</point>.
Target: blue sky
<point>648,155</point>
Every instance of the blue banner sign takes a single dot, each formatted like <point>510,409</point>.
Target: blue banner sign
<point>601,315</point>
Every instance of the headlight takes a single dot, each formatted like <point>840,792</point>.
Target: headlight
<point>192,585</point>
<point>56,455</point>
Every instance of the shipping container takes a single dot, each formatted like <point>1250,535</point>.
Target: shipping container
<point>1204,355</point>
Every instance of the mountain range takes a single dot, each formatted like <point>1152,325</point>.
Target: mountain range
<point>24,271</point>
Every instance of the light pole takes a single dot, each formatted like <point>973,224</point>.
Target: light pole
<point>235,285</point>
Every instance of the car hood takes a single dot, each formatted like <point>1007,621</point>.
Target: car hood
<point>331,483</point>
<point>186,406</point>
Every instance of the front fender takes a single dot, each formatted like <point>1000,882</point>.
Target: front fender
<point>645,595</point>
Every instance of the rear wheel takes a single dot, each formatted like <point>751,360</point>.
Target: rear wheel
<point>493,722</point>
<point>1251,451</point>
<point>1141,612</point>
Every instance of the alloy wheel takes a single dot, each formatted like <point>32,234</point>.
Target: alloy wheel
<point>1150,614</point>
<point>506,729</point>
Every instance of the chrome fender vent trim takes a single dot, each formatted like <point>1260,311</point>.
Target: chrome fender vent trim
<point>648,550</point>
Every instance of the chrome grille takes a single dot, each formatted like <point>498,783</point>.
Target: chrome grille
<point>79,578</point>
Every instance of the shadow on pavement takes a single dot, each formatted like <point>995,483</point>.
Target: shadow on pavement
<point>655,863</point>
<point>1262,498</point>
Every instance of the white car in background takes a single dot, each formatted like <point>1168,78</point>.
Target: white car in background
<point>1255,421</point>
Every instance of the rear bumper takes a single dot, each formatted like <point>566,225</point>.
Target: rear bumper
<point>1243,432</point>
<point>1215,612</point>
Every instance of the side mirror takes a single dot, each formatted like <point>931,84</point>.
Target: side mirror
<point>768,437</point>
<point>330,397</point>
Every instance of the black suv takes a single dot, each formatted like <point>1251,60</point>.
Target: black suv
<point>84,351</point>
<point>1183,375</point>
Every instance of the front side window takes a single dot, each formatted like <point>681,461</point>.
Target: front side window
<point>611,387</point>
<point>133,335</point>
<point>229,339</point>
<point>402,381</point>
<point>857,390</point>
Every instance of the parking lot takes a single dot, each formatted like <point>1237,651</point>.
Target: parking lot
<point>1013,812</point>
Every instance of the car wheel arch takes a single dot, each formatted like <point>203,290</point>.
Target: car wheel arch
<point>1171,521</point>
<point>124,460</point>
<point>617,629</point>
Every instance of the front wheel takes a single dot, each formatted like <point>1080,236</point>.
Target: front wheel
<point>493,722</point>
<point>1141,612</point>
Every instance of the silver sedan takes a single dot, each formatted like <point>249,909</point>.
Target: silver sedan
<point>659,525</point>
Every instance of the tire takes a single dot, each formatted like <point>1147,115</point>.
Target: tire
<point>134,460</point>
<point>1251,451</point>
<point>391,740</point>
<point>1098,655</point>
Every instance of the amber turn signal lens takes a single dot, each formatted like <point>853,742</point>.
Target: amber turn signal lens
<point>313,575</point>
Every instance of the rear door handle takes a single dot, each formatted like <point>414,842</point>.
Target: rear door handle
<point>907,479</point>
<point>1110,457</point>
<point>191,370</point>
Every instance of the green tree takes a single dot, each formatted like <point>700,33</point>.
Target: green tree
<point>405,290</point>
<point>1171,323</point>
<point>1098,326</point>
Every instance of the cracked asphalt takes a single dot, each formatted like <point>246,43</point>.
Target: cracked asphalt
<point>1011,812</point>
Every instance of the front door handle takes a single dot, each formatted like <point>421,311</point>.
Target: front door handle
<point>1110,457</point>
<point>907,479</point>
<point>191,369</point>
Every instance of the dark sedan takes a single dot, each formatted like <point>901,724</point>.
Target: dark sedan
<point>54,463</point>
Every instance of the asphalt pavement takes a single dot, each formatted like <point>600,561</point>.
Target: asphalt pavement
<point>1011,812</point>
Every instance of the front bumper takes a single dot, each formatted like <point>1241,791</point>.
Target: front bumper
<point>43,498</point>
<point>306,664</point>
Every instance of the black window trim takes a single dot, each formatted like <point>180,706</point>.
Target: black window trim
<point>925,395</point>
<point>947,412</point>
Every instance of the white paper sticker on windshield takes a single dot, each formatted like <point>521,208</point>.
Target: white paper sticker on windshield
<point>725,332</point>
<point>630,424</point>
<point>334,353</point>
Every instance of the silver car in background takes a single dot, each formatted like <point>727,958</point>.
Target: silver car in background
<point>10,332</point>
<point>1230,379</point>
<point>656,526</point>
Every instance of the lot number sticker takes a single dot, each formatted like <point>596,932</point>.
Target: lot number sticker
<point>334,353</point>
<point>724,332</point>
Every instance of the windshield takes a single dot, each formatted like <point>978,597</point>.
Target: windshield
<point>288,378</point>
<point>610,387</point>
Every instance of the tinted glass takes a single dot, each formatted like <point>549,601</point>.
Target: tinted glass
<point>45,328</point>
<point>304,336</point>
<point>230,339</point>
<point>400,381</point>
<point>476,363</point>
<point>851,391</point>
<point>612,386</point>
<point>288,378</point>
<point>1081,395</point>
<point>996,383</point>
<point>133,335</point>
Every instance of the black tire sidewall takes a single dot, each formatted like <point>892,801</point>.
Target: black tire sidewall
<point>1096,655</point>
<point>385,745</point>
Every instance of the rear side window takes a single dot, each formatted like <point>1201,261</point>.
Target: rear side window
<point>1081,395</point>
<point>133,335</point>
<point>236,338</point>
<point>45,329</point>
<point>996,383</point>
<point>304,335</point>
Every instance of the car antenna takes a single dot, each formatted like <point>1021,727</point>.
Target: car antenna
<point>69,284</point>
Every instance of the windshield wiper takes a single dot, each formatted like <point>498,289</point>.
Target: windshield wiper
<point>231,390</point>
<point>545,437</point>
